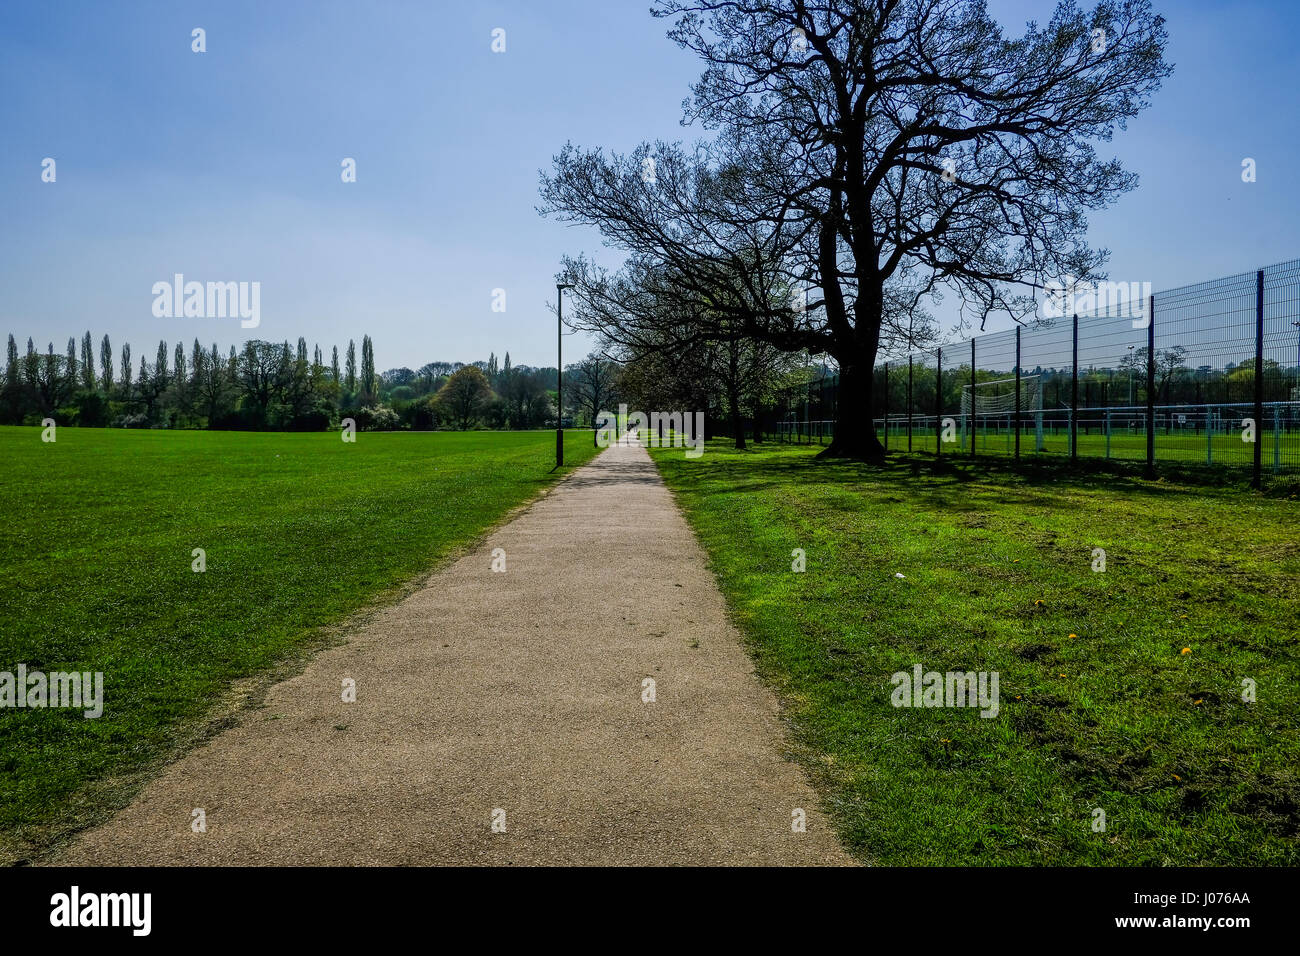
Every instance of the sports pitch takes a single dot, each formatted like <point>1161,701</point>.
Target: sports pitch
<point>1123,444</point>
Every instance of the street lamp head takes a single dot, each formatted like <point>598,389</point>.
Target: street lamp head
<point>564,285</point>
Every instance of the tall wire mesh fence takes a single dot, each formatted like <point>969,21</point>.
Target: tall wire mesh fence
<point>1207,373</point>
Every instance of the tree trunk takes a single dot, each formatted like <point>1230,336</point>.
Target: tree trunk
<point>733,392</point>
<point>738,427</point>
<point>737,422</point>
<point>855,432</point>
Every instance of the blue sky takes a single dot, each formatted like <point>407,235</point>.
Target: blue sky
<point>225,165</point>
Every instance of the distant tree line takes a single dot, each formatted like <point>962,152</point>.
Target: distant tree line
<point>282,387</point>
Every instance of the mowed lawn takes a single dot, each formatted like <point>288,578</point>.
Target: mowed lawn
<point>299,531</point>
<point>1120,691</point>
<point>1182,446</point>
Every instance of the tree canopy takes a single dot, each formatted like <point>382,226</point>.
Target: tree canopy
<point>868,156</point>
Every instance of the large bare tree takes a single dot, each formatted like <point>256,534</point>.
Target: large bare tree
<point>872,154</point>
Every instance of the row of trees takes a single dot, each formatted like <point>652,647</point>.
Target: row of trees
<point>492,394</point>
<point>274,385</point>
<point>266,385</point>
<point>736,382</point>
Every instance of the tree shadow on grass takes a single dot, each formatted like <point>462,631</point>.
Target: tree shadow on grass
<point>953,483</point>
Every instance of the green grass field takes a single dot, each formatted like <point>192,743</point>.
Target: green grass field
<point>1184,447</point>
<point>300,530</point>
<point>1101,706</point>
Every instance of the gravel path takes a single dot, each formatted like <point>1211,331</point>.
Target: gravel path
<point>518,692</point>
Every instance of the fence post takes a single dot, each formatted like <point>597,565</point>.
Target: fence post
<point>1151,389</point>
<point>886,408</point>
<point>972,397</point>
<point>835,406</point>
<point>807,413</point>
<point>909,404</point>
<point>1209,436</point>
<point>1017,391</point>
<point>1259,378</point>
<point>938,402</point>
<point>1108,434</point>
<point>1277,439</point>
<point>1074,393</point>
<point>821,411</point>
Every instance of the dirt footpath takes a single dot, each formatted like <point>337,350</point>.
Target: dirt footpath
<point>509,699</point>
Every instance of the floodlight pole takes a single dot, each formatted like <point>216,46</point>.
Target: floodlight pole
<point>1151,388</point>
<point>1130,377</point>
<point>938,402</point>
<point>1074,394</point>
<point>1017,391</point>
<point>972,396</point>
<point>1259,380</point>
<point>559,372</point>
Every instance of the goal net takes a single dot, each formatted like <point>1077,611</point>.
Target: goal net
<point>992,406</point>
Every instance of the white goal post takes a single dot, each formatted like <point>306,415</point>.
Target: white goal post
<point>994,404</point>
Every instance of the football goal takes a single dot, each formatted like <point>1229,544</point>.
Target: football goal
<point>990,408</point>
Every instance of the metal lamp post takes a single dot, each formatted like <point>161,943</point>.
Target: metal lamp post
<point>559,371</point>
